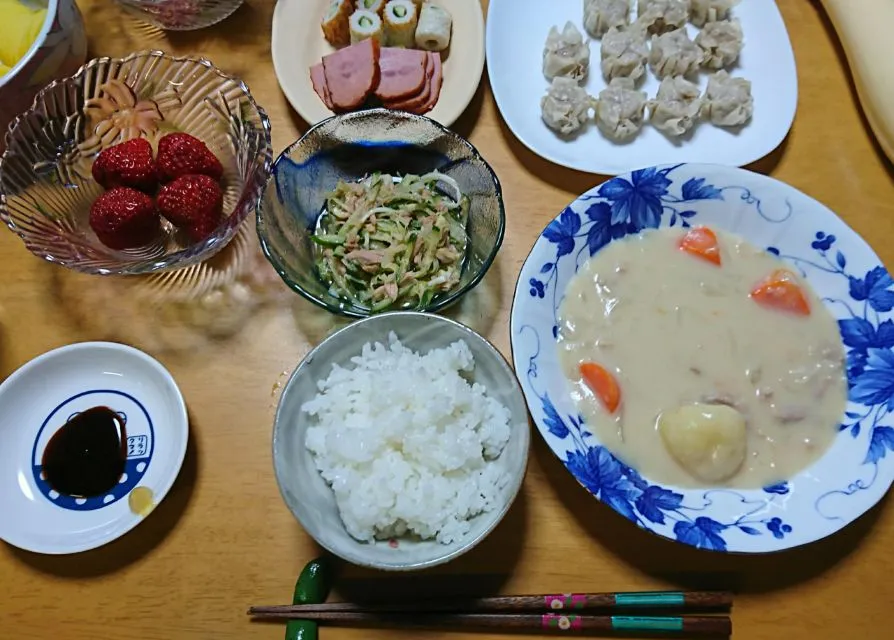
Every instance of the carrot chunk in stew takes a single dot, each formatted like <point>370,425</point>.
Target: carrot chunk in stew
<point>702,243</point>
<point>603,384</point>
<point>780,291</point>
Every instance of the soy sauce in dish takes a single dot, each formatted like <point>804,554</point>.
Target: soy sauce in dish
<point>86,456</point>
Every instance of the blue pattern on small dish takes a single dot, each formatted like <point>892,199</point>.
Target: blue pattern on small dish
<point>859,467</point>
<point>140,446</point>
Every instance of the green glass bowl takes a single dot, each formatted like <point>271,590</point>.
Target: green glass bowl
<point>349,147</point>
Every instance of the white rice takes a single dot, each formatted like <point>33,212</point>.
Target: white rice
<point>407,444</point>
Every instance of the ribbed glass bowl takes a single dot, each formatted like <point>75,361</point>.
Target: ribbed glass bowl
<point>349,147</point>
<point>181,15</point>
<point>46,187</point>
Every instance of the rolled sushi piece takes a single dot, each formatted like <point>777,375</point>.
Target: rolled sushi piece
<point>336,28</point>
<point>365,25</point>
<point>433,28</point>
<point>376,6</point>
<point>400,23</point>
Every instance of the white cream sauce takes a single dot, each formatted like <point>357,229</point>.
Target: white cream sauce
<point>676,330</point>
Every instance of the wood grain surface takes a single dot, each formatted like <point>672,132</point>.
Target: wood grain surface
<point>223,538</point>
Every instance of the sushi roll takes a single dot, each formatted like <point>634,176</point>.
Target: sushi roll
<point>433,28</point>
<point>400,23</point>
<point>365,25</point>
<point>376,6</point>
<point>335,25</point>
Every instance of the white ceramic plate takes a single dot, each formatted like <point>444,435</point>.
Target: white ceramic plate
<point>40,397</point>
<point>298,43</point>
<point>854,473</point>
<point>517,30</point>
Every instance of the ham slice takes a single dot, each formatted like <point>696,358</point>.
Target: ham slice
<point>352,74</point>
<point>426,100</point>
<point>436,83</point>
<point>318,77</point>
<point>403,73</point>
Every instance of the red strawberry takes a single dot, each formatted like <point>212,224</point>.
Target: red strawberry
<point>123,218</point>
<point>193,203</point>
<point>180,154</point>
<point>128,164</point>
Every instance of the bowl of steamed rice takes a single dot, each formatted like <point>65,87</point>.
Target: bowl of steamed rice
<point>401,441</point>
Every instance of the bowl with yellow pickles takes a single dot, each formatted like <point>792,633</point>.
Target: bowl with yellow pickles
<point>40,41</point>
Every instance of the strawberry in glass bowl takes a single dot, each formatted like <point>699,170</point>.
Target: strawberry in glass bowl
<point>135,165</point>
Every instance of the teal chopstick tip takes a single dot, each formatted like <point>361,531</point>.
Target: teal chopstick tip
<point>636,623</point>
<point>650,599</point>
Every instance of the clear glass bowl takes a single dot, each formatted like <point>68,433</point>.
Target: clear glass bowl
<point>349,147</point>
<point>181,15</point>
<point>46,187</point>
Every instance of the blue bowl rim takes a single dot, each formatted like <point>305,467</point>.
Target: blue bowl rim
<point>209,246</point>
<point>438,303</point>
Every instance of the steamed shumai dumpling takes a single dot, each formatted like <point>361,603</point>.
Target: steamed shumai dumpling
<point>721,43</point>
<point>602,15</point>
<point>707,440</point>
<point>566,53</point>
<point>565,107</point>
<point>705,11</point>
<point>676,107</point>
<point>661,16</point>
<point>728,100</point>
<point>620,110</point>
<point>674,54</point>
<point>624,53</point>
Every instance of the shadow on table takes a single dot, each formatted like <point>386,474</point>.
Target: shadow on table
<point>477,309</point>
<point>467,120</point>
<point>175,312</point>
<point>483,571</point>
<point>134,545</point>
<point>570,180</point>
<point>4,337</point>
<point>693,568</point>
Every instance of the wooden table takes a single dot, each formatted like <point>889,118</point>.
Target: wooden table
<point>223,538</point>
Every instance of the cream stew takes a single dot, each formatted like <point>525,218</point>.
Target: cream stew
<point>701,360</point>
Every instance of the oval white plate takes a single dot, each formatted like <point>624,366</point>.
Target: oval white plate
<point>858,468</point>
<point>39,398</point>
<point>517,30</point>
<point>298,43</point>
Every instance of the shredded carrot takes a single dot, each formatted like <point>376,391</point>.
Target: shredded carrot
<point>701,242</point>
<point>780,291</point>
<point>603,384</point>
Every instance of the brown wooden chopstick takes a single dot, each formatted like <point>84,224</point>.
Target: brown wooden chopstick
<point>690,626</point>
<point>622,601</point>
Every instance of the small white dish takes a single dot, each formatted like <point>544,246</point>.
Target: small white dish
<point>517,30</point>
<point>37,399</point>
<point>297,43</point>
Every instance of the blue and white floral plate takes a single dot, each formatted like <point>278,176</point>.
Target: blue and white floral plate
<point>859,467</point>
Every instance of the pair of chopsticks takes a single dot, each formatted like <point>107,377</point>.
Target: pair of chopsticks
<point>617,613</point>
